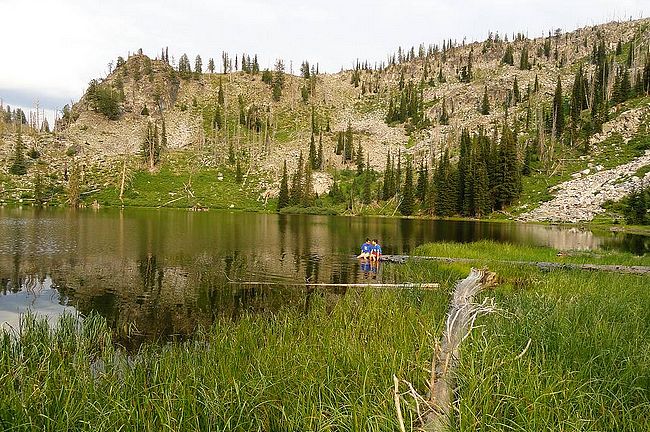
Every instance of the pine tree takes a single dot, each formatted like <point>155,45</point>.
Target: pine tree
<point>312,158</point>
<point>18,167</point>
<point>508,56</point>
<point>221,98</point>
<point>444,116</point>
<point>599,105</point>
<point>430,198</point>
<point>359,159</point>
<point>278,80</point>
<point>38,189</point>
<point>198,65</point>
<point>626,86</point>
<point>523,60</point>
<point>397,181</point>
<point>528,159</point>
<point>558,109</point>
<point>464,174</point>
<point>515,92</point>
<point>408,197</point>
<point>348,142</point>
<point>423,182</point>
<point>238,172</point>
<point>211,65</point>
<point>367,184</point>
<point>336,194</point>
<point>485,103</point>
<point>445,182</point>
<point>296,183</point>
<point>481,191</point>
<point>340,143</point>
<point>629,62</point>
<point>508,184</point>
<point>308,187</point>
<point>320,160</point>
<point>283,196</point>
<point>636,207</point>
<point>315,128</point>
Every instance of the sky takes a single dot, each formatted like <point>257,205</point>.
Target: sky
<point>53,49</point>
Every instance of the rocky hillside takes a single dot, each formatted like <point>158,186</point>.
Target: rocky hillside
<point>215,116</point>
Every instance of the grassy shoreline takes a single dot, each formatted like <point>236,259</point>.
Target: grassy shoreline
<point>567,350</point>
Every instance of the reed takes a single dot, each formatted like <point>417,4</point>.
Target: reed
<point>568,352</point>
<point>491,252</point>
<point>328,368</point>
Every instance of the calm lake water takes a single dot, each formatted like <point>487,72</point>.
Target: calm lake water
<point>166,271</point>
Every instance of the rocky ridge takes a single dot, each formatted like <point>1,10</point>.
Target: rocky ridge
<point>581,199</point>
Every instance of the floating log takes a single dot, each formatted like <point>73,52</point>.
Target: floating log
<point>344,285</point>
<point>542,265</point>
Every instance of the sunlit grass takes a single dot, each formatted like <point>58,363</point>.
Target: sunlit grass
<point>489,252</point>
<point>587,365</point>
<point>328,367</point>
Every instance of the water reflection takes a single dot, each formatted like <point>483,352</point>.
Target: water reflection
<point>163,273</point>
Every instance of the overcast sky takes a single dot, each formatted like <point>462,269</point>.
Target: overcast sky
<point>52,49</point>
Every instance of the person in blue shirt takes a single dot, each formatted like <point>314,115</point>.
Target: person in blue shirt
<point>375,253</point>
<point>366,249</point>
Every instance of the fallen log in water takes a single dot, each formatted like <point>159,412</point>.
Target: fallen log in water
<point>343,285</point>
<point>400,259</point>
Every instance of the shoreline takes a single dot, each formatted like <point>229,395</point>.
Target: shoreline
<point>585,226</point>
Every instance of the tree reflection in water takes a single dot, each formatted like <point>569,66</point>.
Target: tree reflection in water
<point>161,274</point>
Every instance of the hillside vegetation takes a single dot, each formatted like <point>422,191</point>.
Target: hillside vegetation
<point>487,129</point>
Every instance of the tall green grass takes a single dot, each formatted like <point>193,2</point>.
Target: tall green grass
<point>326,368</point>
<point>587,366</point>
<point>489,252</point>
<point>567,351</point>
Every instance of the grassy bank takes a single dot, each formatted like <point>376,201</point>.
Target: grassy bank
<point>568,350</point>
<point>586,367</point>
<point>182,182</point>
<point>490,252</point>
<point>328,368</point>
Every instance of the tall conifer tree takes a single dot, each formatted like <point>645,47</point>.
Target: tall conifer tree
<point>283,197</point>
<point>509,175</point>
<point>408,197</point>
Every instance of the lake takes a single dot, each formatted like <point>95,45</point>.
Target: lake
<point>159,273</point>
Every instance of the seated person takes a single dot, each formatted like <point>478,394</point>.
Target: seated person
<point>366,249</point>
<point>375,253</point>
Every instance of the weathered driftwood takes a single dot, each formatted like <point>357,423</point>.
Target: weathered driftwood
<point>344,285</point>
<point>400,259</point>
<point>460,319</point>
